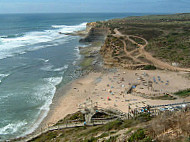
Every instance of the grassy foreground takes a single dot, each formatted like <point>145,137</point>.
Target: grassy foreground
<point>164,128</point>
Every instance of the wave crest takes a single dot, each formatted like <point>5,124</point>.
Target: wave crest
<point>16,44</point>
<point>3,76</point>
<point>12,128</point>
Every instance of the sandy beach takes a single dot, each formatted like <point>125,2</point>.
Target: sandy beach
<point>108,90</point>
<point>115,88</point>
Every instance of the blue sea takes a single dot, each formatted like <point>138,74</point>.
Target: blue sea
<point>34,60</point>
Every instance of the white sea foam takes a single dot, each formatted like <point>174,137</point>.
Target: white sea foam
<point>3,76</point>
<point>54,80</point>
<point>45,60</point>
<point>47,68</point>
<point>22,52</point>
<point>29,41</point>
<point>45,93</point>
<point>12,128</point>
<point>51,68</point>
<point>77,53</point>
<point>61,69</point>
<point>69,29</point>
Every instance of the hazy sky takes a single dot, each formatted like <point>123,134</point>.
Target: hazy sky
<point>69,6</point>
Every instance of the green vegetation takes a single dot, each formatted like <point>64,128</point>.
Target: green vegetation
<point>170,122</point>
<point>183,93</point>
<point>112,125</point>
<point>104,135</point>
<point>76,116</point>
<point>112,139</point>
<point>143,117</point>
<point>129,131</point>
<point>187,139</point>
<point>113,41</point>
<point>172,47</point>
<point>86,134</point>
<point>168,35</point>
<point>86,63</point>
<point>168,38</point>
<point>149,67</point>
<point>142,129</point>
<point>130,46</point>
<point>164,97</point>
<point>90,55</point>
<point>89,134</point>
<point>93,139</point>
<point>138,40</point>
<point>139,135</point>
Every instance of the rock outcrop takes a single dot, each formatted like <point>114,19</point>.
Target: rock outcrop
<point>95,33</point>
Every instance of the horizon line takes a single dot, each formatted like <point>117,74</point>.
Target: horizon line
<point>96,13</point>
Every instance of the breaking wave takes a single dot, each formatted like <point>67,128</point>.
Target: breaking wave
<point>21,43</point>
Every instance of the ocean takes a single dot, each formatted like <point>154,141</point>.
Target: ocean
<point>35,59</point>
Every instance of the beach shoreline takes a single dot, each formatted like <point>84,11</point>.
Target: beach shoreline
<point>69,97</point>
<point>59,95</point>
<point>94,87</point>
<point>98,84</point>
<point>63,89</point>
<point>114,78</point>
<point>63,100</point>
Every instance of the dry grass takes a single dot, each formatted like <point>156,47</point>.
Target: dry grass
<point>170,127</point>
<point>168,35</point>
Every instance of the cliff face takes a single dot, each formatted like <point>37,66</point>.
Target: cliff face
<point>114,55</point>
<point>90,25</point>
<point>112,50</point>
<point>95,33</point>
<point>108,53</point>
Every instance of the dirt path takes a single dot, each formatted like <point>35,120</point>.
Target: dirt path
<point>128,54</point>
<point>158,63</point>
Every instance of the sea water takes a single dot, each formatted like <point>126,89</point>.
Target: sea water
<point>34,59</point>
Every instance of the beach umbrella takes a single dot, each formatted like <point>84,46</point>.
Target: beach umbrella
<point>108,98</point>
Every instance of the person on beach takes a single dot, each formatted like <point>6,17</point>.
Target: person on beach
<point>84,123</point>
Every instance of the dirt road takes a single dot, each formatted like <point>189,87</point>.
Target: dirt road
<point>158,63</point>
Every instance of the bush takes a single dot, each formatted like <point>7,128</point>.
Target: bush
<point>143,117</point>
<point>112,139</point>
<point>76,116</point>
<point>147,139</point>
<point>183,93</point>
<point>92,139</point>
<point>129,123</point>
<point>112,125</point>
<point>149,67</point>
<point>138,135</point>
<point>103,135</point>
